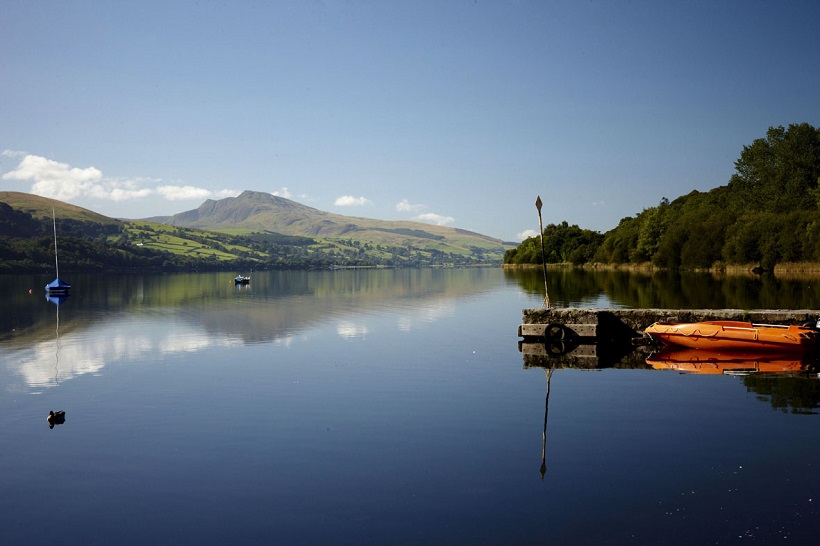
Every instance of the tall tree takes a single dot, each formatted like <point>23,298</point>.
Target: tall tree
<point>779,173</point>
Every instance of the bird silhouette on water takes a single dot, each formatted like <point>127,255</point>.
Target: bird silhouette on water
<point>55,418</point>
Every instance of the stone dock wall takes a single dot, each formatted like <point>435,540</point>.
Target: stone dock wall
<point>601,338</point>
<point>612,324</point>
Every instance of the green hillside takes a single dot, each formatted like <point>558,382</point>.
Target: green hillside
<point>91,242</point>
<point>40,208</point>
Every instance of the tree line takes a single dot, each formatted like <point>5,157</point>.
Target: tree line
<point>768,213</point>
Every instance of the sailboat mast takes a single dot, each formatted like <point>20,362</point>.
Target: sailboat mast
<point>56,261</point>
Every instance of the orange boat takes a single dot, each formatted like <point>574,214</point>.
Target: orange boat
<point>704,361</point>
<point>734,336</point>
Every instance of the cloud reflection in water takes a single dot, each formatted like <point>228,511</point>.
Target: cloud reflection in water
<point>46,364</point>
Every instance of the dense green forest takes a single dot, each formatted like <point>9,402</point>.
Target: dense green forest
<point>768,213</point>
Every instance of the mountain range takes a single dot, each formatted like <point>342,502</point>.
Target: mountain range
<point>258,218</point>
<point>258,211</point>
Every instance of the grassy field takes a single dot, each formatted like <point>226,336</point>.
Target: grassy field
<point>195,243</point>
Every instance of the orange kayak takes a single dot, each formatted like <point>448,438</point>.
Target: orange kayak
<point>734,336</point>
<point>704,361</point>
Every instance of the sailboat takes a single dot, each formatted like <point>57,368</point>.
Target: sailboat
<point>57,287</point>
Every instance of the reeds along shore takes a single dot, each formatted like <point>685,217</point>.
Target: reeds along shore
<point>785,270</point>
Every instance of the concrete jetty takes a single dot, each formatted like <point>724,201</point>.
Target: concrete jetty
<point>610,324</point>
<point>597,338</point>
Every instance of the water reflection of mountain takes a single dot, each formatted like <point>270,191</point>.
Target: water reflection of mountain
<point>578,287</point>
<point>281,305</point>
<point>138,318</point>
<point>275,304</point>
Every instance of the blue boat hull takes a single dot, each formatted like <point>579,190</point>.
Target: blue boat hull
<point>57,287</point>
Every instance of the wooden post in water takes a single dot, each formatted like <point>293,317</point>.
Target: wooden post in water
<point>543,257</point>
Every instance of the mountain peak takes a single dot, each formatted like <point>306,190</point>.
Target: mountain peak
<point>251,194</point>
<point>250,209</point>
<point>260,211</point>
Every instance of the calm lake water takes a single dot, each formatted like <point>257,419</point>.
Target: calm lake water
<point>385,406</point>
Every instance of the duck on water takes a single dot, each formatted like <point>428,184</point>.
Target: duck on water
<point>55,418</point>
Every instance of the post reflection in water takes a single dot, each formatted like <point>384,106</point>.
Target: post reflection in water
<point>788,381</point>
<point>548,372</point>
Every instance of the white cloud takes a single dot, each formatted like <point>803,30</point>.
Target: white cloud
<point>405,206</point>
<point>222,194</point>
<point>126,192</point>
<point>178,193</point>
<point>433,218</point>
<point>527,233</point>
<point>54,179</point>
<point>350,201</point>
<point>62,181</point>
<point>282,192</point>
<point>429,217</point>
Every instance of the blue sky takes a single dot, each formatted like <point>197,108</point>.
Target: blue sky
<point>452,112</point>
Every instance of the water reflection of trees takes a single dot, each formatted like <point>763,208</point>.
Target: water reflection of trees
<point>796,393</point>
<point>575,287</point>
<point>790,394</point>
<point>568,287</point>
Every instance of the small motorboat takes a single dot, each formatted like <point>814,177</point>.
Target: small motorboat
<point>241,279</point>
<point>734,336</point>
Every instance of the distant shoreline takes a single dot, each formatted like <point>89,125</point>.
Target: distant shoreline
<point>785,269</point>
